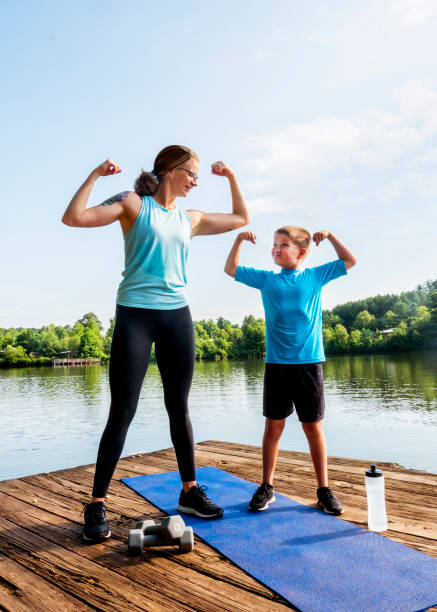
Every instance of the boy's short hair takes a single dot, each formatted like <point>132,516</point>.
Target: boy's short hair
<point>300,236</point>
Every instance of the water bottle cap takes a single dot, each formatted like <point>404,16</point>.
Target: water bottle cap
<point>373,472</point>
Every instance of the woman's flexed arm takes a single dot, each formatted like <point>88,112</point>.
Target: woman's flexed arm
<point>217,223</point>
<point>77,215</point>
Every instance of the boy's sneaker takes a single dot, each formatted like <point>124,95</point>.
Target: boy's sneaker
<point>262,497</point>
<point>96,526</point>
<point>328,502</point>
<point>196,502</point>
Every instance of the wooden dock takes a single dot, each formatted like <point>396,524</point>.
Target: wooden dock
<point>76,361</point>
<point>44,566</point>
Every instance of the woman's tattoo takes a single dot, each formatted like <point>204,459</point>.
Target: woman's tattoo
<point>120,197</point>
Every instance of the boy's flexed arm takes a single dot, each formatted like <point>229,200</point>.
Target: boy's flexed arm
<point>342,251</point>
<point>234,255</point>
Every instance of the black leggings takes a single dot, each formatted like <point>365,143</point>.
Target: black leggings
<point>135,331</point>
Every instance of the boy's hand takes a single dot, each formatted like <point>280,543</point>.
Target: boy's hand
<point>249,236</point>
<point>233,259</point>
<point>221,169</point>
<point>319,236</point>
<point>342,251</point>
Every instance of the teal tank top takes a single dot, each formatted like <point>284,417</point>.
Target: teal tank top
<point>156,251</point>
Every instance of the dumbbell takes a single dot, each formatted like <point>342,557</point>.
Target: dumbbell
<point>170,527</point>
<point>171,530</point>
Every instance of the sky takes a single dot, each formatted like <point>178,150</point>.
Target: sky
<point>326,111</point>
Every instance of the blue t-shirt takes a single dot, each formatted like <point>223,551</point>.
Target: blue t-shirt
<point>292,305</point>
<point>156,251</point>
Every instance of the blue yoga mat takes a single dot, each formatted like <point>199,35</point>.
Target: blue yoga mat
<point>315,561</point>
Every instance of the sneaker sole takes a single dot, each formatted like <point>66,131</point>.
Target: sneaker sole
<point>99,539</point>
<point>322,507</point>
<point>194,512</point>
<point>267,504</point>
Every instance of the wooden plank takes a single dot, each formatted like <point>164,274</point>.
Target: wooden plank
<point>230,451</point>
<point>9,603</point>
<point>88,582</point>
<point>23,590</point>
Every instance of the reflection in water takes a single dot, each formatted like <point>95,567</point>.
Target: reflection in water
<point>378,408</point>
<point>406,382</point>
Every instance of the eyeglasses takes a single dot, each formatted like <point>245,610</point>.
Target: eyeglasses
<point>191,174</point>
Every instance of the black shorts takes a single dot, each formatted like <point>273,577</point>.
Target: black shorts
<point>294,385</point>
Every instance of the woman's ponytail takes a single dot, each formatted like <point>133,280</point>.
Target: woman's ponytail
<point>146,184</point>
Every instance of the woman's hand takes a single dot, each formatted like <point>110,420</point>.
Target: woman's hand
<point>221,169</point>
<point>107,167</point>
<point>320,236</point>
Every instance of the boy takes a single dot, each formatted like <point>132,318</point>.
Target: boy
<point>294,348</point>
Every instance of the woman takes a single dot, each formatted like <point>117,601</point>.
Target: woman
<point>152,307</point>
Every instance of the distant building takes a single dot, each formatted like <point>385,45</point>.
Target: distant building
<point>66,354</point>
<point>387,332</point>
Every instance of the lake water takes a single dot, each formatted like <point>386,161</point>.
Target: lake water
<point>378,408</point>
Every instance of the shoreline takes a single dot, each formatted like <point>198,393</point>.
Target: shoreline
<point>47,361</point>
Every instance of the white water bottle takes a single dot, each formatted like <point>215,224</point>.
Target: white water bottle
<point>376,513</point>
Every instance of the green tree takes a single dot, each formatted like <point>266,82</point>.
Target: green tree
<point>430,333</point>
<point>389,320</point>
<point>88,318</point>
<point>28,339</point>
<point>107,340</point>
<point>252,342</point>
<point>49,344</point>
<point>364,320</point>
<point>223,323</point>
<point>91,342</point>
<point>433,306</point>
<point>329,339</point>
<point>235,337</point>
<point>418,330</point>
<point>355,343</point>
<point>398,339</point>
<point>401,310</point>
<point>15,355</point>
<point>341,338</point>
<point>367,339</point>
<point>330,319</point>
<point>62,332</point>
<point>9,337</point>
<point>210,328</point>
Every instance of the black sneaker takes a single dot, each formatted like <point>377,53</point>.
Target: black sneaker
<point>262,497</point>
<point>96,526</point>
<point>196,502</point>
<point>328,502</point>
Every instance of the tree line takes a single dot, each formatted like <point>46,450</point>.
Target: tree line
<point>384,323</point>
